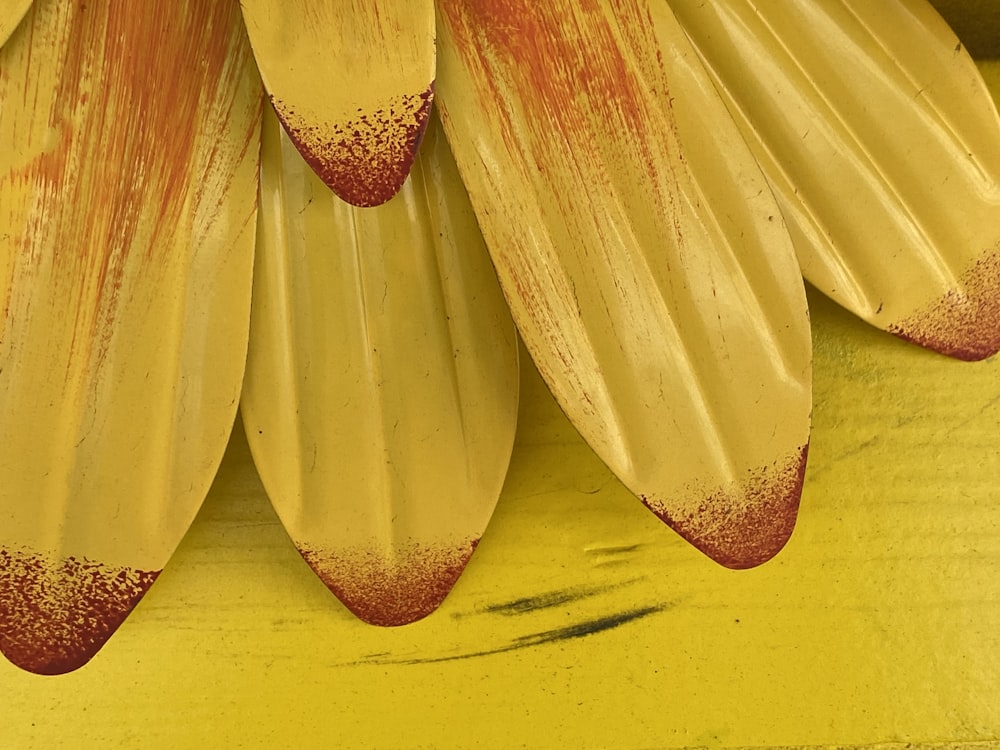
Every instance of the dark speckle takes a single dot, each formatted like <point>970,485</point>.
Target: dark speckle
<point>965,322</point>
<point>572,632</point>
<point>364,161</point>
<point>55,614</point>
<point>546,600</point>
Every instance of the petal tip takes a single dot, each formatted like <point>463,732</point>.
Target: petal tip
<point>744,526</point>
<point>364,160</point>
<point>395,592</point>
<point>964,323</point>
<point>56,614</point>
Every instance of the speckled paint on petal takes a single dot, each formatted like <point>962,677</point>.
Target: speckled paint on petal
<point>747,524</point>
<point>365,160</point>
<point>55,614</point>
<point>965,322</point>
<point>388,592</point>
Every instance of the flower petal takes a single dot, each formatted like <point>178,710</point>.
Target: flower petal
<point>352,83</point>
<point>11,13</point>
<point>381,391</point>
<point>643,256</point>
<point>882,145</point>
<point>127,207</point>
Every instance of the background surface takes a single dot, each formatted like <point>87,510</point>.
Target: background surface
<point>582,621</point>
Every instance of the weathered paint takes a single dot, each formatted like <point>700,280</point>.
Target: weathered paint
<point>56,614</point>
<point>747,523</point>
<point>381,391</point>
<point>641,252</point>
<point>352,83</point>
<point>127,199</point>
<point>365,160</point>
<point>965,322</point>
<point>882,144</point>
<point>395,589</point>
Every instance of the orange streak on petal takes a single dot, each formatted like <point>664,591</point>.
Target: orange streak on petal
<point>105,217</point>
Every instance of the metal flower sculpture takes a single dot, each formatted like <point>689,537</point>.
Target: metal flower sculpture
<point>638,185</point>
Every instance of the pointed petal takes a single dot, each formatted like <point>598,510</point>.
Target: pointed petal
<point>642,254</point>
<point>127,203</point>
<point>748,522</point>
<point>395,590</point>
<point>883,147</point>
<point>55,614</point>
<point>352,83</point>
<point>381,392</point>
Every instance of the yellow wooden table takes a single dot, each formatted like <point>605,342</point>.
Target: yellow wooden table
<point>583,621</point>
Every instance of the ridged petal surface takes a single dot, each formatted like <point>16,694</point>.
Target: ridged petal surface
<point>130,136</point>
<point>352,83</point>
<point>643,256</point>
<point>882,144</point>
<point>381,392</point>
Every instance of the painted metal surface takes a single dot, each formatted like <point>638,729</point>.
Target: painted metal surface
<point>882,145</point>
<point>381,390</point>
<point>126,251</point>
<point>11,13</point>
<point>582,621</point>
<point>352,83</point>
<point>645,261</point>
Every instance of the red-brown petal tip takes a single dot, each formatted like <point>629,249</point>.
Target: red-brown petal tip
<point>391,593</point>
<point>55,614</point>
<point>745,525</point>
<point>364,160</point>
<point>965,322</point>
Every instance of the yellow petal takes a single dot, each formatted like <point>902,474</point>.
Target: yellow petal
<point>644,258</point>
<point>882,144</point>
<point>127,207</point>
<point>381,391</point>
<point>352,84</point>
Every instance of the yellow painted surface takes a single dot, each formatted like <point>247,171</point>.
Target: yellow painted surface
<point>114,223</point>
<point>352,82</point>
<point>643,256</point>
<point>901,222</point>
<point>977,23</point>
<point>879,622</point>
<point>380,397</point>
<point>126,256</point>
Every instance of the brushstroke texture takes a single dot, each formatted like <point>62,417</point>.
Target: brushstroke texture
<point>643,257</point>
<point>130,138</point>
